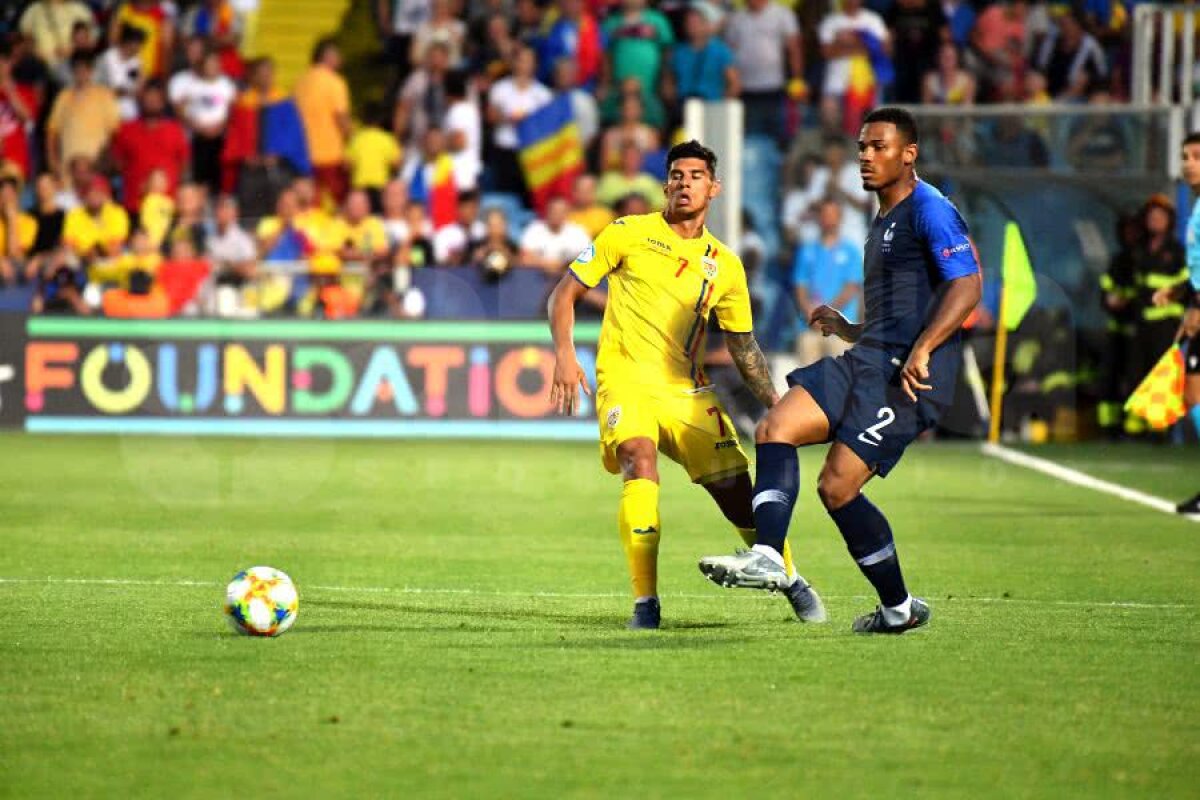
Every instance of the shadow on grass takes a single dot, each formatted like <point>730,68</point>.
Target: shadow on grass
<point>600,619</point>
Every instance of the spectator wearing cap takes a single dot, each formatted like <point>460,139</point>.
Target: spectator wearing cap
<point>120,69</point>
<point>18,231</point>
<point>510,100</point>
<point>97,229</point>
<point>765,39</point>
<point>83,118</point>
<point>202,101</point>
<point>630,179</point>
<point>50,23</point>
<point>585,211</point>
<point>373,154</point>
<point>324,102</point>
<point>152,141</point>
<point>638,38</point>
<point>702,67</point>
<point>552,244</point>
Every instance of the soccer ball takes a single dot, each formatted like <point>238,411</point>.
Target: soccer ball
<point>261,601</point>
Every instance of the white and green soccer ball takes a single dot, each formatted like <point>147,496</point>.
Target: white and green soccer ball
<point>261,601</point>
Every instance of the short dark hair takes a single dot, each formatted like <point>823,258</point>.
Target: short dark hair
<point>456,83</point>
<point>82,58</point>
<point>902,118</point>
<point>321,47</point>
<point>1192,138</point>
<point>693,149</point>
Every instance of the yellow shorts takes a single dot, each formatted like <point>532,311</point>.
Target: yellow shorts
<point>692,430</point>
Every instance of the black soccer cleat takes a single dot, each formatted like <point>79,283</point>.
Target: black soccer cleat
<point>1189,506</point>
<point>647,615</point>
<point>875,623</point>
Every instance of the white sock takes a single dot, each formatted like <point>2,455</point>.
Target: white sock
<point>898,615</point>
<point>645,599</point>
<point>769,552</point>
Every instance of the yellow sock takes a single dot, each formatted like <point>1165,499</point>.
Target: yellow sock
<point>748,536</point>
<point>640,530</point>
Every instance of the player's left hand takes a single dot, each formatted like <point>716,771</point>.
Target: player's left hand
<point>914,374</point>
<point>569,378</point>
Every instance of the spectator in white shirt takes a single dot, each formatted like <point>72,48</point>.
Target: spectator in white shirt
<point>202,102</point>
<point>233,255</point>
<point>841,35</point>
<point>552,244</point>
<point>464,132</point>
<point>765,39</point>
<point>453,243</point>
<point>120,69</point>
<point>836,178</point>
<point>441,26</point>
<point>510,101</point>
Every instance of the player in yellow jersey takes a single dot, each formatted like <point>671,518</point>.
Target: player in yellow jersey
<point>666,274</point>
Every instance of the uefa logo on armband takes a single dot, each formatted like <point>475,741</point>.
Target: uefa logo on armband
<point>586,255</point>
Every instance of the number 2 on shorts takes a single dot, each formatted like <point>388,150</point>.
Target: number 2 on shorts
<point>720,422</point>
<point>886,417</point>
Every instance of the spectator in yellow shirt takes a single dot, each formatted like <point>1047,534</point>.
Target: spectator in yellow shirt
<point>630,179</point>
<point>373,155</point>
<point>585,211</point>
<point>324,101</point>
<point>17,231</point>
<point>157,209</point>
<point>362,235</point>
<point>97,229</point>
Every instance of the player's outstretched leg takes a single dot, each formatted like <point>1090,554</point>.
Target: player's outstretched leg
<point>734,497</point>
<point>640,529</point>
<point>795,420</point>
<point>868,537</point>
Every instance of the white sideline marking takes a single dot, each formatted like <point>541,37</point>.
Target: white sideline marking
<point>576,595</point>
<point>1083,479</point>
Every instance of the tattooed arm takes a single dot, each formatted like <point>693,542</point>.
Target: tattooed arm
<point>751,362</point>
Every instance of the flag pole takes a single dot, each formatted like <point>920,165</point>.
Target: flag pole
<point>998,360</point>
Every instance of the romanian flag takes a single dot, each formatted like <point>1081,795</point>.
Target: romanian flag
<point>1159,397</point>
<point>870,71</point>
<point>433,184</point>
<point>551,151</point>
<point>151,21</point>
<point>263,126</point>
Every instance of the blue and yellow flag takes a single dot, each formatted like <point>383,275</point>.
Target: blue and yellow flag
<point>551,151</point>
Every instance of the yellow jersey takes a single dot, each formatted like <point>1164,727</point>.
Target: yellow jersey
<point>661,290</point>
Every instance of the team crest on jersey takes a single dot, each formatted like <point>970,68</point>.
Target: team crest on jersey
<point>586,255</point>
<point>888,235</point>
<point>614,417</point>
<point>709,262</point>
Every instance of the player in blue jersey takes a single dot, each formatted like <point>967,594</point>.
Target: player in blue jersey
<point>921,282</point>
<point>1189,292</point>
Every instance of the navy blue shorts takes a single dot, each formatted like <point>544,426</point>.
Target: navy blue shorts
<point>867,410</point>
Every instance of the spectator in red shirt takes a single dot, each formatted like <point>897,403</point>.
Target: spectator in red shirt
<point>15,113</point>
<point>152,141</point>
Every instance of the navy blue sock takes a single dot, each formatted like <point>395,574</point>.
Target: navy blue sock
<point>775,488</point>
<point>869,539</point>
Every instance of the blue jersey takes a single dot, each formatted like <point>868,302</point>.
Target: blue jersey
<point>919,245</point>
<point>1193,245</point>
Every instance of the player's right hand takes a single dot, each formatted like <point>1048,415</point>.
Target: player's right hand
<point>568,378</point>
<point>830,322</point>
<point>1163,296</point>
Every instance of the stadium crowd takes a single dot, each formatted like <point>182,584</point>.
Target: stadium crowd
<point>150,169</point>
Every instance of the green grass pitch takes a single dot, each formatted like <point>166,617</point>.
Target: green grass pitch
<point>461,631</point>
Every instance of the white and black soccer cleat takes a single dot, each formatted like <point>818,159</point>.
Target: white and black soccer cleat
<point>805,601</point>
<point>875,623</point>
<point>746,569</point>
